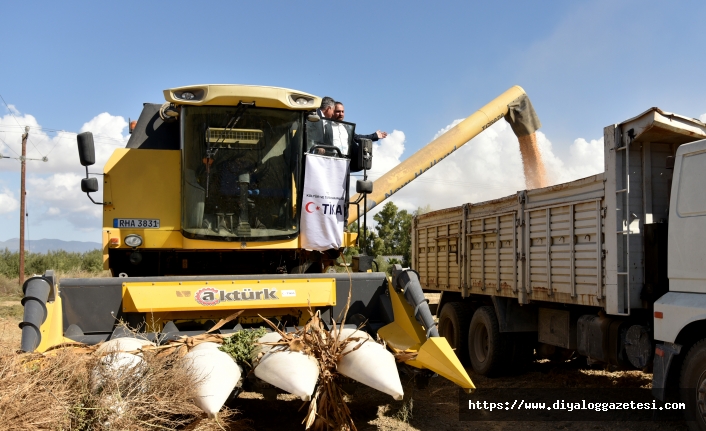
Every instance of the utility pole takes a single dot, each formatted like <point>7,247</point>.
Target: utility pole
<point>23,161</point>
<point>23,208</point>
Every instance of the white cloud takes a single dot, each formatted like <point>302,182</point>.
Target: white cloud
<point>60,146</point>
<point>488,167</point>
<point>586,158</point>
<point>387,153</point>
<point>62,195</point>
<point>53,187</point>
<point>703,118</point>
<point>106,125</point>
<point>8,203</point>
<point>13,110</point>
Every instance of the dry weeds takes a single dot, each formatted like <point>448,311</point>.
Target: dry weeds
<point>60,390</point>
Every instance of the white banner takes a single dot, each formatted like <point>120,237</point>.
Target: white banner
<point>323,202</point>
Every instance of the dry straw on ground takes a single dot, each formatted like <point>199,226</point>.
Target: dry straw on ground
<point>58,391</point>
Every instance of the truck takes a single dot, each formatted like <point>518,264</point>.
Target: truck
<point>610,267</point>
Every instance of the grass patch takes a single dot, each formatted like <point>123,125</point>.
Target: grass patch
<point>11,311</point>
<point>241,346</point>
<point>10,287</point>
<point>60,260</point>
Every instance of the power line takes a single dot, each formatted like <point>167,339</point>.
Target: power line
<point>57,143</point>
<point>57,131</point>
<point>18,123</point>
<point>5,143</point>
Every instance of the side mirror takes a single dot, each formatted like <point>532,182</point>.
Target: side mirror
<point>87,156</point>
<point>366,154</point>
<point>363,187</point>
<point>89,185</point>
<point>86,149</point>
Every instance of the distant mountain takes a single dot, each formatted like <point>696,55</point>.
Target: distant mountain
<point>44,245</point>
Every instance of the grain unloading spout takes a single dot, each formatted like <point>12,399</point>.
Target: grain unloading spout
<point>514,105</point>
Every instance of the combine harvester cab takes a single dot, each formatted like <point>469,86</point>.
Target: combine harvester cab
<point>204,216</point>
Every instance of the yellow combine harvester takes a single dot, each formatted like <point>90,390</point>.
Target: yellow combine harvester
<point>202,217</point>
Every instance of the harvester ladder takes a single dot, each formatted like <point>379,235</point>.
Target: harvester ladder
<point>623,156</point>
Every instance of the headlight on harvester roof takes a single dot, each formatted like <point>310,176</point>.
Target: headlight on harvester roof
<point>133,240</point>
<point>189,95</point>
<point>300,100</point>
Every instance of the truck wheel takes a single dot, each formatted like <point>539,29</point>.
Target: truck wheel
<point>693,386</point>
<point>453,325</point>
<point>487,347</point>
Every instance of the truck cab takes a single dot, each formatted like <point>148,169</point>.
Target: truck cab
<point>680,315</point>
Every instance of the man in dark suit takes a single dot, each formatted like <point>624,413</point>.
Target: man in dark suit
<point>327,107</point>
<point>354,150</point>
<point>339,113</point>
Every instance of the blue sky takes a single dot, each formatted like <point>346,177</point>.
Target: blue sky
<point>409,67</point>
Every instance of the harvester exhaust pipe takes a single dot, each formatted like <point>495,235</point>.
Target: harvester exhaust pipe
<point>407,281</point>
<point>513,105</point>
<point>36,294</point>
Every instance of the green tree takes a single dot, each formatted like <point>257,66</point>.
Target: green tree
<point>394,231</point>
<point>406,228</point>
<point>422,210</point>
<point>372,244</point>
<point>391,236</point>
<point>405,244</point>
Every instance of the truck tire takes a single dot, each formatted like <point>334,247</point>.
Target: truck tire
<point>693,386</point>
<point>488,349</point>
<point>453,325</point>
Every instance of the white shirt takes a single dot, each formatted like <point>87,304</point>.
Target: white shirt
<point>340,137</point>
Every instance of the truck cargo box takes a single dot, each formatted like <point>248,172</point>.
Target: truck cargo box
<point>581,242</point>
<point>544,244</point>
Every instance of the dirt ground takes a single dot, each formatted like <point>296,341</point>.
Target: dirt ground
<point>434,408</point>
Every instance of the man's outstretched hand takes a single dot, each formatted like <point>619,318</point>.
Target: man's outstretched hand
<point>381,135</point>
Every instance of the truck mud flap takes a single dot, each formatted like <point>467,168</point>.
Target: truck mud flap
<point>664,353</point>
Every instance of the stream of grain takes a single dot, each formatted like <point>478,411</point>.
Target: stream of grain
<point>535,174</point>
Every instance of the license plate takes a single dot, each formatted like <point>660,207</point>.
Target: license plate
<point>137,223</point>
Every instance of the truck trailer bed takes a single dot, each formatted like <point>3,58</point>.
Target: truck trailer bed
<point>542,244</point>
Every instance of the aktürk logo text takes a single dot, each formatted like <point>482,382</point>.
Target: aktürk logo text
<point>210,296</point>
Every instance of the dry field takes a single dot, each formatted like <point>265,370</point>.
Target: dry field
<point>434,408</point>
